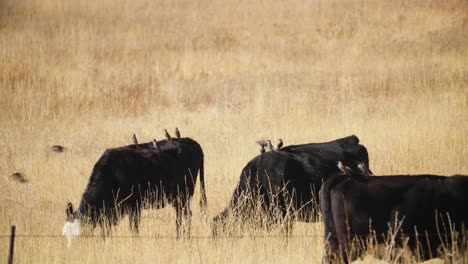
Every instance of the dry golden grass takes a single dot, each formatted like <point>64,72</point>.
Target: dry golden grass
<point>87,74</point>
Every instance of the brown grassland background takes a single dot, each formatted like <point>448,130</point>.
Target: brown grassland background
<point>88,74</point>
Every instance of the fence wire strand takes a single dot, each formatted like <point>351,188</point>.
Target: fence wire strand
<point>193,237</point>
<point>168,237</point>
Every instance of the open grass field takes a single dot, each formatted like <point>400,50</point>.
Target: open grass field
<point>88,74</point>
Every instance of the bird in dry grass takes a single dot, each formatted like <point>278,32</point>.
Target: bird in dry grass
<point>177,133</point>
<point>58,148</point>
<point>19,177</point>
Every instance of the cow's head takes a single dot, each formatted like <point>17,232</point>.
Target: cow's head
<point>72,227</point>
<point>70,213</point>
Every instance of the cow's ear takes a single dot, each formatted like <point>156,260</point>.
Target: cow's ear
<point>69,212</point>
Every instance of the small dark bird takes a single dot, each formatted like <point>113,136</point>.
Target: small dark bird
<point>280,144</point>
<point>262,149</point>
<point>344,169</point>
<point>19,177</point>
<point>58,148</point>
<point>177,133</point>
<point>155,144</point>
<point>167,135</point>
<point>262,144</point>
<point>135,140</point>
<point>269,145</point>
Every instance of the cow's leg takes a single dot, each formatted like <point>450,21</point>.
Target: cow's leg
<point>106,219</point>
<point>178,209</point>
<point>183,218</point>
<point>219,222</point>
<point>134,218</point>
<point>105,228</point>
<point>289,217</point>
<point>187,214</point>
<point>287,210</point>
<point>288,224</point>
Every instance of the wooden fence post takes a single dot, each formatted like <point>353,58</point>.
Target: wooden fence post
<point>12,245</point>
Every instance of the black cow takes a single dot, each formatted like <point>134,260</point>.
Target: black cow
<point>354,204</point>
<point>130,178</point>
<point>285,183</point>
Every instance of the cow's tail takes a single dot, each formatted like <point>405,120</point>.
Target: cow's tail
<point>333,247</point>
<point>203,200</point>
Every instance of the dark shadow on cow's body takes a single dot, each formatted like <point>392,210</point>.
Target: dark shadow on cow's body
<point>362,203</point>
<point>284,184</point>
<point>127,179</point>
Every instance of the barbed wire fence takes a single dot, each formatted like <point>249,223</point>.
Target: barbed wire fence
<point>14,236</point>
<point>12,245</point>
<point>214,237</point>
<point>169,237</point>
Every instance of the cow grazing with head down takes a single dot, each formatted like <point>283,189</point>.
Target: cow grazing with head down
<point>421,210</point>
<point>286,182</point>
<point>127,179</point>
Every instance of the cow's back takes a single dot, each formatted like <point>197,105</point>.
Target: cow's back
<point>132,173</point>
<point>324,156</point>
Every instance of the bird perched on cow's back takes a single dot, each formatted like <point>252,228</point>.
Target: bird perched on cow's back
<point>135,140</point>
<point>166,134</point>
<point>177,133</point>
<point>269,145</point>
<point>262,144</point>
<point>155,144</point>
<point>364,170</point>
<point>280,144</point>
<point>345,170</point>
